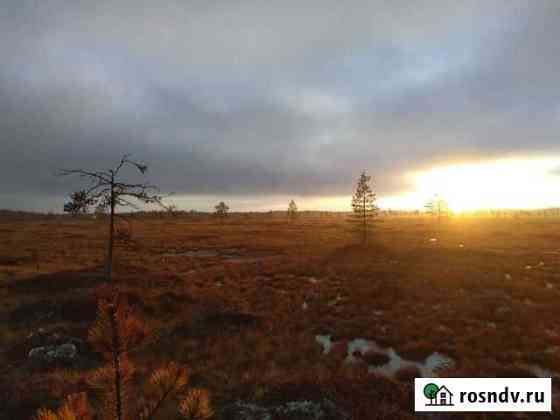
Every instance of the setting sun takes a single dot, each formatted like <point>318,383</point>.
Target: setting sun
<point>500,184</point>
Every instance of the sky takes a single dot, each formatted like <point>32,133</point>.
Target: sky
<point>256,102</point>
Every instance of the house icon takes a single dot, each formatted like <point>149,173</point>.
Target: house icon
<point>442,398</point>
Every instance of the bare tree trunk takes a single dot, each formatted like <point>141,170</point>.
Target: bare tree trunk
<point>111,231</point>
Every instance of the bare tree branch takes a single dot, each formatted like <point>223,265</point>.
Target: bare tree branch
<point>108,191</point>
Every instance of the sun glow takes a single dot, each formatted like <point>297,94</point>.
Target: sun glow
<point>501,184</point>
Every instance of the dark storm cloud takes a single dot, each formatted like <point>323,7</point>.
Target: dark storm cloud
<point>295,97</point>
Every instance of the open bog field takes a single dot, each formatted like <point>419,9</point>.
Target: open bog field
<point>264,311</point>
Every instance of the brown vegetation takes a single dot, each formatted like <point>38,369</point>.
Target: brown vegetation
<point>240,325</point>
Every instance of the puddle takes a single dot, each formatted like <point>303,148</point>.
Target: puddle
<point>429,368</point>
<point>228,254</point>
<point>193,253</point>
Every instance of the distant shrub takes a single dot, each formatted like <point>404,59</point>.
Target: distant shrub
<point>222,210</point>
<point>292,210</point>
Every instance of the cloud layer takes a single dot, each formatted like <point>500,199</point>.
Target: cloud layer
<point>270,98</point>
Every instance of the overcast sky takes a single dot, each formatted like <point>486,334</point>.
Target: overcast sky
<point>271,98</point>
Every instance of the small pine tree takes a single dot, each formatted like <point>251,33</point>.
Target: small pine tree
<point>75,407</point>
<point>79,203</point>
<point>292,210</point>
<point>363,206</point>
<point>114,334</point>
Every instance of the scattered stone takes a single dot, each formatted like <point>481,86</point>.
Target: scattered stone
<point>325,341</point>
<point>551,333</point>
<point>335,301</point>
<point>292,410</point>
<point>64,353</point>
<point>443,329</point>
<point>433,240</point>
<point>53,345</point>
<point>507,276</point>
<point>502,311</point>
<point>304,306</point>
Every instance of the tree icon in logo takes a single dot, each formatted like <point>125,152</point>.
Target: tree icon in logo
<point>430,391</point>
<point>439,396</point>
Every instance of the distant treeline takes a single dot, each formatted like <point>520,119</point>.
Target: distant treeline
<point>17,214</point>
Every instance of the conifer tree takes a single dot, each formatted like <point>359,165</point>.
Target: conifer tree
<point>292,210</point>
<point>115,333</point>
<point>222,210</point>
<point>79,203</point>
<point>363,206</point>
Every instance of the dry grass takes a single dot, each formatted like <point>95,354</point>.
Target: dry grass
<point>241,325</point>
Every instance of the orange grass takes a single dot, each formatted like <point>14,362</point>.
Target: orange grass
<point>241,324</point>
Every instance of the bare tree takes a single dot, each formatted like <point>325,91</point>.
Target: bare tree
<point>108,190</point>
<point>363,206</point>
<point>222,210</point>
<point>292,210</point>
